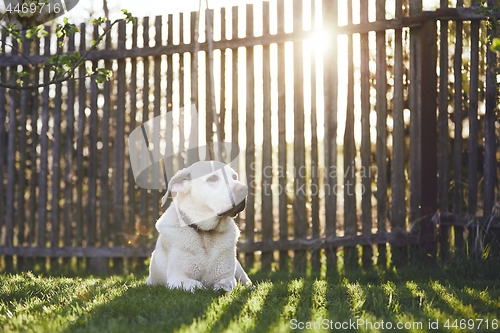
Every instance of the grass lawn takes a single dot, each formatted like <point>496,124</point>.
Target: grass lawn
<point>374,299</point>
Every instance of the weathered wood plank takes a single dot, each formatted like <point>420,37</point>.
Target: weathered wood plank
<point>6,222</point>
<point>472,184</point>
<point>473,121</point>
<point>10,222</point>
<point>92,166</point>
<point>23,111</point>
<point>34,138</point>
<point>193,136</point>
<point>56,173</point>
<point>267,195</point>
<point>82,96</point>
<point>300,224</point>
<point>169,150</point>
<point>315,228</point>
<point>395,238</point>
<point>131,187</point>
<point>398,212</point>
<point>211,116</point>
<point>55,219</point>
<point>250,142</point>
<point>144,207</point>
<point>428,136</point>
<point>282,150</point>
<point>450,219</point>
<point>42,180</point>
<point>138,225</point>
<point>104,159</point>
<point>234,91</point>
<point>366,180</point>
<point>350,253</point>
<point>89,252</point>
<point>182,107</point>
<point>234,80</point>
<point>119,149</point>
<point>330,19</point>
<point>381,156</point>
<point>443,132</point>
<point>22,136</point>
<point>415,116</point>
<point>69,136</point>
<point>458,140</point>
<point>490,166</point>
<point>221,132</point>
<point>3,132</point>
<point>491,203</point>
<point>155,195</point>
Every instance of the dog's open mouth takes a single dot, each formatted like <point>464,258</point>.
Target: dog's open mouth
<point>235,210</point>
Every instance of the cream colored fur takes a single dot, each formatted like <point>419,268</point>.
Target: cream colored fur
<point>203,254</point>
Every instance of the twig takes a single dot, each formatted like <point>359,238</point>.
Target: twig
<point>69,74</point>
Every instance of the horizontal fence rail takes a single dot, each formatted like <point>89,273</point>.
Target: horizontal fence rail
<point>357,128</point>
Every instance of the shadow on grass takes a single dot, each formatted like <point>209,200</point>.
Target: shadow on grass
<point>411,293</point>
<point>142,308</point>
<point>272,308</point>
<point>230,311</point>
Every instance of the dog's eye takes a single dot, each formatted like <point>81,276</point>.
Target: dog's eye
<point>212,179</point>
<point>235,177</point>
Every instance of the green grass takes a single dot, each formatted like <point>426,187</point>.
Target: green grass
<point>30,303</point>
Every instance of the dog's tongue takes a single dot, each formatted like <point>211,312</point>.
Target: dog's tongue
<point>235,210</point>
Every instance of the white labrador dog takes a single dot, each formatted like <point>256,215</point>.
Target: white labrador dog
<point>197,242</point>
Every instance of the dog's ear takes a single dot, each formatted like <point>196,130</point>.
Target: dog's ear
<point>177,184</point>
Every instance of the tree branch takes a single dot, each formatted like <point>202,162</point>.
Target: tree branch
<point>68,74</point>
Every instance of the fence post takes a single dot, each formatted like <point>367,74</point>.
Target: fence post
<point>250,134</point>
<point>398,200</point>
<point>490,140</point>
<point>330,22</point>
<point>428,132</point>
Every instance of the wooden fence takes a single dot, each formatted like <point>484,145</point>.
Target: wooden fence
<point>365,126</point>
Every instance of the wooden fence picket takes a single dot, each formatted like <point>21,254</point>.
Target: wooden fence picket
<point>250,141</point>
<point>267,198</point>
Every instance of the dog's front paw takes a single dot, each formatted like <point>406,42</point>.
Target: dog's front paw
<point>187,285</point>
<point>227,284</point>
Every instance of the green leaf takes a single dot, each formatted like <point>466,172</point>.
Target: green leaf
<point>495,44</point>
<point>101,78</point>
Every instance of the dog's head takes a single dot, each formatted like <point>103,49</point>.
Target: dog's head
<point>206,190</point>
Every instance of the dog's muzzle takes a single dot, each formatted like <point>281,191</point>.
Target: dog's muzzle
<point>235,210</point>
